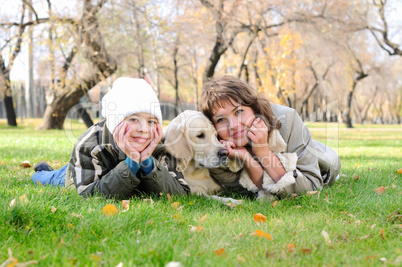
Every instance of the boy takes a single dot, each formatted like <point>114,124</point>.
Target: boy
<point>119,156</point>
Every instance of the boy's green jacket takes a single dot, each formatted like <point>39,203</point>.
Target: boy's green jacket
<point>97,166</point>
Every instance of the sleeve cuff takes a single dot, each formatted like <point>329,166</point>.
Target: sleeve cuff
<point>147,166</point>
<point>132,165</point>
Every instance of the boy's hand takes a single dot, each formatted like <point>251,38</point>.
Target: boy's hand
<point>122,138</point>
<point>156,137</point>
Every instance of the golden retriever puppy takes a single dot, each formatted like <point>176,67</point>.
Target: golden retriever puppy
<point>192,139</point>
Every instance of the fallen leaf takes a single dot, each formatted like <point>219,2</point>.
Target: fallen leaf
<point>23,198</point>
<point>53,209</point>
<point>25,164</point>
<point>119,265</point>
<point>306,250</point>
<point>383,259</point>
<point>291,247</point>
<point>269,254</point>
<point>77,215</point>
<point>380,190</point>
<point>382,233</point>
<point>196,229</point>
<point>169,197</point>
<point>399,171</point>
<point>357,165</point>
<point>326,237</point>
<point>274,204</point>
<point>238,236</point>
<point>310,193</point>
<point>259,218</point>
<point>393,186</point>
<point>70,226</point>
<point>364,237</point>
<point>38,183</point>
<point>356,177</point>
<point>110,210</point>
<point>260,233</point>
<point>327,198</point>
<point>175,205</point>
<point>60,243</point>
<point>12,203</point>
<point>240,258</point>
<point>203,218</point>
<point>220,252</point>
<point>126,205</point>
<point>370,257</point>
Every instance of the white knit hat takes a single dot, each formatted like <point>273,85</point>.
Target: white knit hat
<point>129,96</point>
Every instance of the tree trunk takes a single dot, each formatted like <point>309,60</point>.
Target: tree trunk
<point>70,92</point>
<point>9,106</point>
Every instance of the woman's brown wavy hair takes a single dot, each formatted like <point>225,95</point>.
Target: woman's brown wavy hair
<point>229,88</point>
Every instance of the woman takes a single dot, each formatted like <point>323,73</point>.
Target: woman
<point>276,147</point>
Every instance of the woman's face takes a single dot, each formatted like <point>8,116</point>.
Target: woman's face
<point>142,124</point>
<point>232,122</point>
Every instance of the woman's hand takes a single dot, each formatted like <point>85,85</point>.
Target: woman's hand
<point>122,138</point>
<point>156,137</point>
<point>258,134</point>
<point>235,152</point>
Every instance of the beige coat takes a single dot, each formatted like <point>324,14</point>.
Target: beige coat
<point>315,164</point>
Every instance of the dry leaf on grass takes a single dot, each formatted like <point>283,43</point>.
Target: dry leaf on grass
<point>25,164</point>
<point>126,205</point>
<point>12,203</point>
<point>11,261</point>
<point>220,252</point>
<point>274,204</point>
<point>53,209</point>
<point>232,205</point>
<point>77,215</point>
<point>310,193</point>
<point>169,197</point>
<point>260,233</point>
<point>240,258</point>
<point>326,237</point>
<point>364,237</point>
<point>399,171</point>
<point>196,229</point>
<point>23,199</point>
<point>380,190</point>
<point>382,233</point>
<point>175,205</point>
<point>306,250</point>
<point>203,218</point>
<point>291,247</point>
<point>110,210</point>
<point>259,218</point>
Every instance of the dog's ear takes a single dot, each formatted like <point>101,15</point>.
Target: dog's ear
<point>176,140</point>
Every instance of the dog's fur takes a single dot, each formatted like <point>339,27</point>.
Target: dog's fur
<point>192,139</point>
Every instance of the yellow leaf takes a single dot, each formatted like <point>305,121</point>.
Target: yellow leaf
<point>260,233</point>
<point>357,165</point>
<point>169,197</point>
<point>25,164</point>
<point>175,205</point>
<point>310,193</point>
<point>291,247</point>
<point>203,218</point>
<point>53,209</point>
<point>274,204</point>
<point>23,198</point>
<point>196,229</point>
<point>399,171</point>
<point>110,210</point>
<point>380,190</point>
<point>60,243</point>
<point>326,237</point>
<point>70,226</point>
<point>259,218</point>
<point>126,205</point>
<point>220,252</point>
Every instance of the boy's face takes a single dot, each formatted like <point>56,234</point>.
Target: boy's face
<point>143,126</point>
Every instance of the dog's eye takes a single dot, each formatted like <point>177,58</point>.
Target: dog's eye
<point>201,135</point>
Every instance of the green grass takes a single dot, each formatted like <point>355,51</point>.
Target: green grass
<point>364,228</point>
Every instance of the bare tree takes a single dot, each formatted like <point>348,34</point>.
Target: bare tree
<point>71,88</point>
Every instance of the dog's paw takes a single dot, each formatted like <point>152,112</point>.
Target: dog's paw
<point>285,181</point>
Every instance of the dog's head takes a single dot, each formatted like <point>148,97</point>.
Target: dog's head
<point>191,136</point>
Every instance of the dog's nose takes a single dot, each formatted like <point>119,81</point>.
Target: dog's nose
<point>223,153</point>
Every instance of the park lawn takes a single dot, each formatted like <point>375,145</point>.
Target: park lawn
<point>348,224</point>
